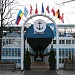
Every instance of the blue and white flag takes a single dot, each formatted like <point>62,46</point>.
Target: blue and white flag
<point>25,11</point>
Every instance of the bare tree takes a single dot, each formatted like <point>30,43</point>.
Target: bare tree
<point>6,16</point>
<point>64,2</point>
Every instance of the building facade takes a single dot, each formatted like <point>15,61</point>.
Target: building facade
<point>11,47</point>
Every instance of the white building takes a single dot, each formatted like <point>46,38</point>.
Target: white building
<point>11,47</point>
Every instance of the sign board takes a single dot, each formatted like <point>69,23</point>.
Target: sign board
<point>39,26</point>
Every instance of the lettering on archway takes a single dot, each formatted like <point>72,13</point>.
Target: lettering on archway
<point>22,40</point>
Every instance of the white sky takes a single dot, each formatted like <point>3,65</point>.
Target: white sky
<point>68,8</point>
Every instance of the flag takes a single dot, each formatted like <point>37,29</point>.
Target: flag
<point>31,9</point>
<point>58,14</point>
<point>25,11</point>
<point>62,18</point>
<point>19,16</point>
<point>18,19</point>
<point>20,13</point>
<point>42,8</point>
<point>36,10</point>
<point>48,9</point>
<point>53,11</point>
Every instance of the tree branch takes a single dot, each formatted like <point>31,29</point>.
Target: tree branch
<point>9,22</point>
<point>7,5</point>
<point>66,2</point>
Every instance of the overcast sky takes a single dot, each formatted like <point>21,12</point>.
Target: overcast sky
<point>68,8</point>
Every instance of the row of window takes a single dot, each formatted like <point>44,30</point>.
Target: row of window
<point>64,53</point>
<point>12,60</point>
<point>11,52</point>
<point>65,41</point>
<point>10,41</point>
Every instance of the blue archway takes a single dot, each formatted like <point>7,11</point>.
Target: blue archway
<point>48,33</point>
<point>39,41</point>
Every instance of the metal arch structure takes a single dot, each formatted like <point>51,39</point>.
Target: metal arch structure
<point>22,40</point>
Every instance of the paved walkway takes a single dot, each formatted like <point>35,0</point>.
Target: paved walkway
<point>10,72</point>
<point>40,72</point>
<point>40,68</point>
<point>39,64</point>
<point>66,72</point>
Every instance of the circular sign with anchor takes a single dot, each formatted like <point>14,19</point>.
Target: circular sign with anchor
<point>39,26</point>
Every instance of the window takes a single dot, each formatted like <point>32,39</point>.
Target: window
<point>3,42</point>
<point>54,41</point>
<point>62,60</point>
<point>19,61</point>
<point>59,52</point>
<point>9,51</point>
<point>19,52</point>
<point>62,52</point>
<point>15,60</point>
<point>73,41</point>
<point>6,41</point>
<point>66,53</point>
<point>16,53</point>
<point>12,51</point>
<point>3,53</point>
<point>68,41</point>
<point>59,60</point>
<point>9,41</point>
<point>61,41</point>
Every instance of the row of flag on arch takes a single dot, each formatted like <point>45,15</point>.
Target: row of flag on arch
<point>25,13</point>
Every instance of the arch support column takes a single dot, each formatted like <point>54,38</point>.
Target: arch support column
<point>57,48</point>
<point>22,48</point>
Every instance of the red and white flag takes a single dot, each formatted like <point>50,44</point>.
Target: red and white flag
<point>31,9</point>
<point>36,10</point>
<point>47,9</point>
<point>53,11</point>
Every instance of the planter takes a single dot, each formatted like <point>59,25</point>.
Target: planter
<point>27,67</point>
<point>70,66</point>
<point>5,66</point>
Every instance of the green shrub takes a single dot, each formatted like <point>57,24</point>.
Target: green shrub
<point>27,58</point>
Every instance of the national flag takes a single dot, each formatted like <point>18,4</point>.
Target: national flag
<point>36,10</point>
<point>19,16</point>
<point>31,9</point>
<point>18,19</point>
<point>20,13</point>
<point>58,14</point>
<point>53,11</point>
<point>48,9</point>
<point>25,11</point>
<point>42,8</point>
<point>62,18</point>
